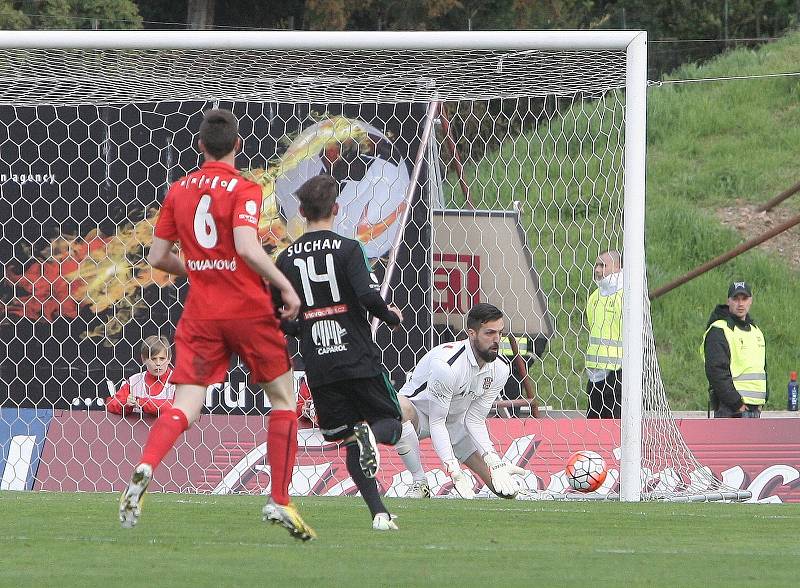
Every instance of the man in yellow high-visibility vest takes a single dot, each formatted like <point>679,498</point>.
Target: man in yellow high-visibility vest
<point>604,351</point>
<point>734,351</point>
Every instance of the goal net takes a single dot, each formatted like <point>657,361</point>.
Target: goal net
<point>474,168</point>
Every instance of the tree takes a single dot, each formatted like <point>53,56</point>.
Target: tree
<point>554,14</point>
<point>200,14</point>
<point>673,19</point>
<point>11,18</point>
<point>376,14</point>
<point>477,15</point>
<point>157,14</point>
<point>233,14</point>
<point>53,14</point>
<point>330,15</point>
<point>69,14</point>
<point>106,14</point>
<point>411,15</point>
<point>756,18</point>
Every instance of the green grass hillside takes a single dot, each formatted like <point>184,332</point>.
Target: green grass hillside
<point>710,145</point>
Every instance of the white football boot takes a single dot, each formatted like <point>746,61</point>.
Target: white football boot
<point>419,489</point>
<point>287,517</point>
<point>130,502</point>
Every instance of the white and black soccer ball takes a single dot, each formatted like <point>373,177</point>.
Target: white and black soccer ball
<point>586,471</point>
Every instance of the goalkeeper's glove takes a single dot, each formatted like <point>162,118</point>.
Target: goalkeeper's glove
<point>502,474</point>
<point>461,482</point>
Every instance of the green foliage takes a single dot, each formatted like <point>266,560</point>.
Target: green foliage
<point>376,14</point>
<point>698,19</point>
<point>55,14</point>
<point>109,14</point>
<point>554,14</point>
<point>11,17</point>
<point>69,14</point>
<point>328,15</point>
<point>228,14</point>
<point>670,19</point>
<point>678,19</point>
<point>74,540</point>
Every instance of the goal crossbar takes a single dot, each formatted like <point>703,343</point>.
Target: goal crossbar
<point>324,40</point>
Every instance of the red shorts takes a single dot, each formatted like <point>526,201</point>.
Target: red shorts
<point>204,347</point>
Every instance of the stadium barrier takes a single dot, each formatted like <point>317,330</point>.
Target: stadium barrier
<point>65,450</point>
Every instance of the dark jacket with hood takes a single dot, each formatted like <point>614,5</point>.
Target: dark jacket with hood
<point>725,399</point>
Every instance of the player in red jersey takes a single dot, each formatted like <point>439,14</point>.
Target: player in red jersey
<point>213,213</point>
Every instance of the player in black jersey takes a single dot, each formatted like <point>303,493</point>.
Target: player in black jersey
<point>355,402</point>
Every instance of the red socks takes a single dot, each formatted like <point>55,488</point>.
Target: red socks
<point>166,430</point>
<point>281,445</point>
<point>281,452</point>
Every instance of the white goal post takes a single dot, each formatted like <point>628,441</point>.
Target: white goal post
<point>545,129</point>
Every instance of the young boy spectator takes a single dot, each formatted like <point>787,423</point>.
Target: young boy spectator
<point>149,391</point>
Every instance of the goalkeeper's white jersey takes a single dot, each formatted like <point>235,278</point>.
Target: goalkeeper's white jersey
<point>448,376</point>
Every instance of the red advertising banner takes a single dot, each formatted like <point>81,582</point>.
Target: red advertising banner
<point>91,451</point>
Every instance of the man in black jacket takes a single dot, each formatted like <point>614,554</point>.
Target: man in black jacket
<point>734,350</point>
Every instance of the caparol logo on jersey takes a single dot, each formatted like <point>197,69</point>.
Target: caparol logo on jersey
<point>327,336</point>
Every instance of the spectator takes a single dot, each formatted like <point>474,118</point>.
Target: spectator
<point>515,386</point>
<point>604,353</point>
<point>734,351</point>
<point>149,391</point>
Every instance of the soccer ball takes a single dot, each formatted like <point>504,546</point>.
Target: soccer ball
<point>586,471</point>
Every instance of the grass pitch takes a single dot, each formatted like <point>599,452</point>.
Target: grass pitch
<point>69,540</point>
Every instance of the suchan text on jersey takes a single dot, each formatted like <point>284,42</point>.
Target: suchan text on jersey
<point>309,246</point>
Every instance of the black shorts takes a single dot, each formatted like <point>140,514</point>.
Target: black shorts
<point>340,405</point>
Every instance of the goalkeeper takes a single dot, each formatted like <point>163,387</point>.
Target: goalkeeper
<point>447,399</point>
